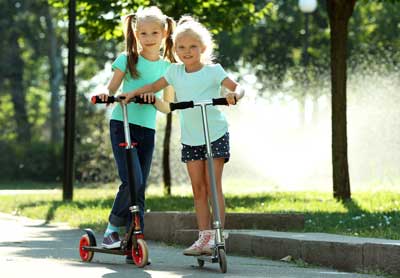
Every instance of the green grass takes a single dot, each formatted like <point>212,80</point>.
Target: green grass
<point>367,215</point>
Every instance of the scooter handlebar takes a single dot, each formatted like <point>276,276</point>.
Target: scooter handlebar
<point>181,105</point>
<point>190,104</point>
<point>219,101</point>
<point>112,99</point>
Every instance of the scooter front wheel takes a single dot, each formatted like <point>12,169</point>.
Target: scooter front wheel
<point>222,260</point>
<point>141,255</point>
<point>85,255</point>
<point>200,262</point>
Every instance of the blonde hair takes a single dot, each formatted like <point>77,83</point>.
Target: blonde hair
<point>131,22</point>
<point>188,26</point>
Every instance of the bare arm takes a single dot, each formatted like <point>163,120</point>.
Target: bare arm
<point>114,84</point>
<point>162,105</point>
<point>116,81</point>
<point>149,88</point>
<point>237,92</point>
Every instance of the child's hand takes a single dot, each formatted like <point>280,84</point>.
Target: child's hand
<point>148,97</point>
<point>232,98</point>
<point>104,98</point>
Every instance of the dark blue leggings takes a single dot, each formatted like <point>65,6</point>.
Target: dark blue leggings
<point>141,161</point>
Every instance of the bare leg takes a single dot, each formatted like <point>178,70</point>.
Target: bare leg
<point>197,173</point>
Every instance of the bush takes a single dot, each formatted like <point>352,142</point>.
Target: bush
<point>37,161</point>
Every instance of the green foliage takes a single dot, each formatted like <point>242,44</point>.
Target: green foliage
<point>93,154</point>
<point>100,19</point>
<point>37,161</point>
<point>274,46</point>
<point>7,119</point>
<point>374,32</point>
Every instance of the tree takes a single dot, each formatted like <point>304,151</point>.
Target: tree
<point>12,28</point>
<point>56,75</point>
<point>339,12</point>
<point>166,153</point>
<point>70,105</point>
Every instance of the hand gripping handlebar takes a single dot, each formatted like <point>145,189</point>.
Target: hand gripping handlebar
<point>112,99</point>
<point>190,104</point>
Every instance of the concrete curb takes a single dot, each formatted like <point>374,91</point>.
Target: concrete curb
<point>340,252</point>
<point>163,225</point>
<point>344,253</point>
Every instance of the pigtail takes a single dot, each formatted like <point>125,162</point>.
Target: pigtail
<point>131,47</point>
<point>168,52</point>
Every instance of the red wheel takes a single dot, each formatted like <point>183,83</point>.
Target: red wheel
<point>86,256</point>
<point>141,255</point>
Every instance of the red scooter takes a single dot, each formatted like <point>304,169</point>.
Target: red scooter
<point>133,243</point>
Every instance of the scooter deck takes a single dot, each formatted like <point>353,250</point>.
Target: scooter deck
<point>210,259</point>
<point>115,251</point>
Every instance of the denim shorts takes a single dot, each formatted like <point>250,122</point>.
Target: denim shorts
<point>220,149</point>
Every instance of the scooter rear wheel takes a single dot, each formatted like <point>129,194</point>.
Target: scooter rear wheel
<point>85,255</point>
<point>222,260</point>
<point>141,255</point>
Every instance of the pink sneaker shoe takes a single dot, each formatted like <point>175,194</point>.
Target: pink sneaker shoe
<point>197,248</point>
<point>209,246</point>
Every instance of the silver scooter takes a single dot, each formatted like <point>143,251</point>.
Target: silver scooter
<point>219,254</point>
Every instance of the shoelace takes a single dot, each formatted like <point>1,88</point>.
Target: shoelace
<point>202,241</point>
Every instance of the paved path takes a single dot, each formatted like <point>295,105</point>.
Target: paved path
<point>30,248</point>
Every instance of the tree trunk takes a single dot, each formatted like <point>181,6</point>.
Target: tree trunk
<point>339,12</point>
<point>70,105</point>
<point>166,152</point>
<point>16,73</point>
<point>56,78</point>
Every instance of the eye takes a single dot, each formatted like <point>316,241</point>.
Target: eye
<point>155,32</point>
<point>143,33</point>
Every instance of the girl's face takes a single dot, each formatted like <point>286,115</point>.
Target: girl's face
<point>150,35</point>
<point>189,49</point>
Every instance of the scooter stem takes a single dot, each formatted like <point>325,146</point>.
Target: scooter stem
<point>210,163</point>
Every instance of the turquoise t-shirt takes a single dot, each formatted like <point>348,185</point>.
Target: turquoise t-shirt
<point>150,71</point>
<point>201,85</point>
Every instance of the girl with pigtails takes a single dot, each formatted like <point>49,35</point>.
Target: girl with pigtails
<point>147,32</point>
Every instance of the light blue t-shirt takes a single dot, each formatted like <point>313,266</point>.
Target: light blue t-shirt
<point>201,85</point>
<point>149,71</point>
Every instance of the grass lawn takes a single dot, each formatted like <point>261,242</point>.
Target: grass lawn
<point>368,214</point>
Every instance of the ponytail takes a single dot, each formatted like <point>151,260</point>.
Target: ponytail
<point>168,53</point>
<point>131,48</point>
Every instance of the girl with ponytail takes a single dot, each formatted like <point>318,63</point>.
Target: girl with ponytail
<point>147,32</point>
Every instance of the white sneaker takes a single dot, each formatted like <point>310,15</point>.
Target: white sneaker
<point>198,247</point>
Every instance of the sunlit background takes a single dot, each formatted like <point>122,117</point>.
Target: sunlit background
<point>280,132</point>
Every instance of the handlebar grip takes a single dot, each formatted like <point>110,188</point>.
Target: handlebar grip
<point>219,101</point>
<point>112,99</point>
<point>181,105</point>
<point>96,100</point>
<point>140,100</point>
